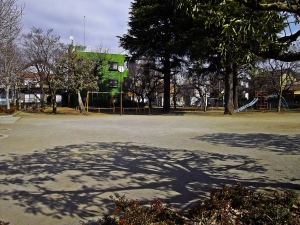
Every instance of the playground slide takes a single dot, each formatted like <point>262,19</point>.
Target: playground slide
<point>246,106</point>
<point>284,103</point>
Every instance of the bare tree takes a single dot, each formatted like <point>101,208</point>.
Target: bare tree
<point>10,28</point>
<point>152,80</point>
<point>42,50</point>
<point>10,25</point>
<point>201,83</point>
<point>11,69</point>
<point>143,81</point>
<point>134,82</point>
<point>205,81</point>
<point>278,77</point>
<point>76,73</point>
<point>178,87</point>
<point>188,91</point>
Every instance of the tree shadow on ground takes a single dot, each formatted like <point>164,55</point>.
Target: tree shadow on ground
<point>281,144</point>
<point>76,180</point>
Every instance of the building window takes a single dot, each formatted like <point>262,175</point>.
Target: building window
<point>113,66</point>
<point>113,83</point>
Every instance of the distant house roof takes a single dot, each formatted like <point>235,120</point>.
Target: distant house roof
<point>295,87</point>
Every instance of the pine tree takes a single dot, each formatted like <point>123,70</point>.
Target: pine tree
<point>156,32</point>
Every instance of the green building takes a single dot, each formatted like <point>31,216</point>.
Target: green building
<point>109,79</point>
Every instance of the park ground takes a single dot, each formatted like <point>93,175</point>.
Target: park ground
<point>61,169</point>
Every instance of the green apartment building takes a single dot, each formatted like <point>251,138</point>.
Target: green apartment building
<point>110,79</point>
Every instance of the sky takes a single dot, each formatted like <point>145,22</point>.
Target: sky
<point>93,22</point>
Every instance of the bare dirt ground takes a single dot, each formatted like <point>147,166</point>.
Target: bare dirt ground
<point>61,169</point>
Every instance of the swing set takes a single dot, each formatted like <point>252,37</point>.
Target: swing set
<point>100,101</point>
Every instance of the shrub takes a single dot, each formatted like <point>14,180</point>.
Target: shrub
<point>7,111</point>
<point>3,223</point>
<point>130,212</point>
<point>236,205</point>
<point>227,206</point>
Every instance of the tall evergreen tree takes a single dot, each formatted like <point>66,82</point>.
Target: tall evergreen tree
<point>156,30</point>
<point>227,40</point>
<point>279,48</point>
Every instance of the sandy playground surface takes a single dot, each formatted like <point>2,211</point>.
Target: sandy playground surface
<point>61,169</point>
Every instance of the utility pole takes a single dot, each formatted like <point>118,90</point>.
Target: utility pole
<point>121,70</point>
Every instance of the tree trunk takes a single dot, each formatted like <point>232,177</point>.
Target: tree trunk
<point>235,87</point>
<point>174,99</point>
<point>167,85</point>
<point>150,102</point>
<point>174,94</point>
<point>228,109</point>
<point>204,103</point>
<point>69,99</point>
<point>54,107</point>
<point>7,97</point>
<point>42,99</point>
<point>18,100</point>
<point>81,106</point>
<point>52,90</point>
<point>143,99</point>
<point>54,103</point>
<point>279,102</point>
<point>53,98</point>
<point>15,96</point>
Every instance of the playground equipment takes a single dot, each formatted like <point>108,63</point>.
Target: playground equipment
<point>262,102</point>
<point>284,103</point>
<point>246,106</point>
<point>100,100</point>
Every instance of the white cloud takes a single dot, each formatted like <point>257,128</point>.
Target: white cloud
<point>103,20</point>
